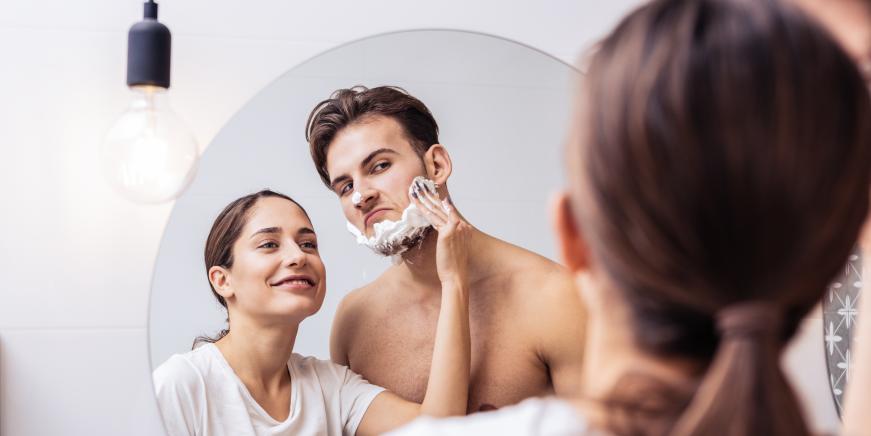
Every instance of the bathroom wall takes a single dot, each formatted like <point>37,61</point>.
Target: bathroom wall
<point>76,260</point>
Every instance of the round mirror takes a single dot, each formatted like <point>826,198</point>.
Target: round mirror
<point>501,107</point>
<point>840,308</point>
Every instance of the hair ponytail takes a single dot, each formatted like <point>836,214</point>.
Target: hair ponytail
<point>744,392</point>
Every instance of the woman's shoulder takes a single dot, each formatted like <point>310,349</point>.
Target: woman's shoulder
<point>538,416</point>
<point>180,385</point>
<point>332,377</point>
<point>184,370</point>
<point>320,367</point>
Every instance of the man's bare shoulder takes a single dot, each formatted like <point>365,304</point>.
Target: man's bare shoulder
<point>547,313</point>
<point>365,297</point>
<point>352,314</point>
<point>527,268</point>
<point>543,290</point>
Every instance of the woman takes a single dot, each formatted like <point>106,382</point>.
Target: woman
<point>264,267</point>
<point>719,172</point>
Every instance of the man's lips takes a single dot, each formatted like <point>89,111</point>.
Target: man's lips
<point>297,281</point>
<point>371,215</point>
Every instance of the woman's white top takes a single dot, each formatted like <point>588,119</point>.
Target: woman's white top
<point>535,416</point>
<point>199,394</point>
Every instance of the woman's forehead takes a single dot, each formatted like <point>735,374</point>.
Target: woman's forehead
<point>277,212</point>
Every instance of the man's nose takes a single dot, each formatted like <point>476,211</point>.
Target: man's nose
<point>367,195</point>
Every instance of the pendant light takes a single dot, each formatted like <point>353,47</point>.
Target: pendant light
<point>149,155</point>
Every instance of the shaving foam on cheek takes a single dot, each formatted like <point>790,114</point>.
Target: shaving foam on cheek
<point>393,237</point>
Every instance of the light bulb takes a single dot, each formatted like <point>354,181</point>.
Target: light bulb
<point>149,154</point>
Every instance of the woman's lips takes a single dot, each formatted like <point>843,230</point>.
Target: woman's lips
<point>296,282</point>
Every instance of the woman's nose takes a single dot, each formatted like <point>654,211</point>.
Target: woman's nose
<point>294,257</point>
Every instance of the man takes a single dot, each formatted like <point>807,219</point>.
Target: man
<point>368,145</point>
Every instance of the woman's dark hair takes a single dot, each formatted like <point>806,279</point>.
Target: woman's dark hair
<point>357,104</point>
<point>724,159</point>
<point>225,231</point>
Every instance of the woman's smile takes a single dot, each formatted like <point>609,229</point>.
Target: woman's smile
<point>295,282</point>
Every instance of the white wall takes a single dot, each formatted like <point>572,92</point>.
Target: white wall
<point>76,260</point>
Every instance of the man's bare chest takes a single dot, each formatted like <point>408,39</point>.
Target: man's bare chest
<point>395,352</point>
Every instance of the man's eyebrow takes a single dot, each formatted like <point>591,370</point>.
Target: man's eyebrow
<point>365,162</point>
<point>266,230</point>
<point>338,180</point>
<point>376,153</point>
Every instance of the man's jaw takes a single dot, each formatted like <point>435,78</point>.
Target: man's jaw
<point>405,246</point>
<point>387,234</point>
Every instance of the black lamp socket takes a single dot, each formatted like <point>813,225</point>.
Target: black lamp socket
<point>149,45</point>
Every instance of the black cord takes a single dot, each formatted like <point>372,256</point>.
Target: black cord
<point>150,10</point>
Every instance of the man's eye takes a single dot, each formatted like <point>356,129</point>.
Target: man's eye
<point>269,244</point>
<point>345,189</point>
<point>381,166</point>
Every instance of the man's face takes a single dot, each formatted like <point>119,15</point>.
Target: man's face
<point>375,158</point>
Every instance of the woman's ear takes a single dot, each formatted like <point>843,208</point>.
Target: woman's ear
<point>438,164</point>
<point>570,243</point>
<point>219,277</point>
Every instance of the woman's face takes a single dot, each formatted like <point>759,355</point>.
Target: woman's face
<point>277,272</point>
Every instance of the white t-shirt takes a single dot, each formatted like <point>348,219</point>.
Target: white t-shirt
<point>199,394</point>
<point>535,416</point>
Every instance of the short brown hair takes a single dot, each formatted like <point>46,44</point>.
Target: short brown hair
<point>348,106</point>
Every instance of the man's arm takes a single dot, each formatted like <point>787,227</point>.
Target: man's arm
<point>560,322</point>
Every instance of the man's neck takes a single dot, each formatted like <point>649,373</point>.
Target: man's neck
<point>418,264</point>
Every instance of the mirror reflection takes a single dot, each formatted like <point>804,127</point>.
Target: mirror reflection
<point>698,229</point>
<point>343,230</point>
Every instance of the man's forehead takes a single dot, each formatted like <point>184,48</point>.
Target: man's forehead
<point>353,144</point>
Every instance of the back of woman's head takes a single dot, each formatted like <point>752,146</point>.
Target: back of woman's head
<point>723,178</point>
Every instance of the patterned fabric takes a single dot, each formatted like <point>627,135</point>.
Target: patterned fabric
<point>840,307</point>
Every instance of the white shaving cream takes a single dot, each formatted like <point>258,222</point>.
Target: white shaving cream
<point>356,198</point>
<point>394,237</point>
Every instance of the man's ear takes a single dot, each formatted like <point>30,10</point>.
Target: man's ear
<point>219,277</point>
<point>438,164</point>
<point>570,242</point>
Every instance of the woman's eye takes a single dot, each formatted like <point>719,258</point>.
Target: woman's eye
<point>268,245</point>
<point>309,244</point>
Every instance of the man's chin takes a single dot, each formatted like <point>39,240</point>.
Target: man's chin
<point>395,248</point>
